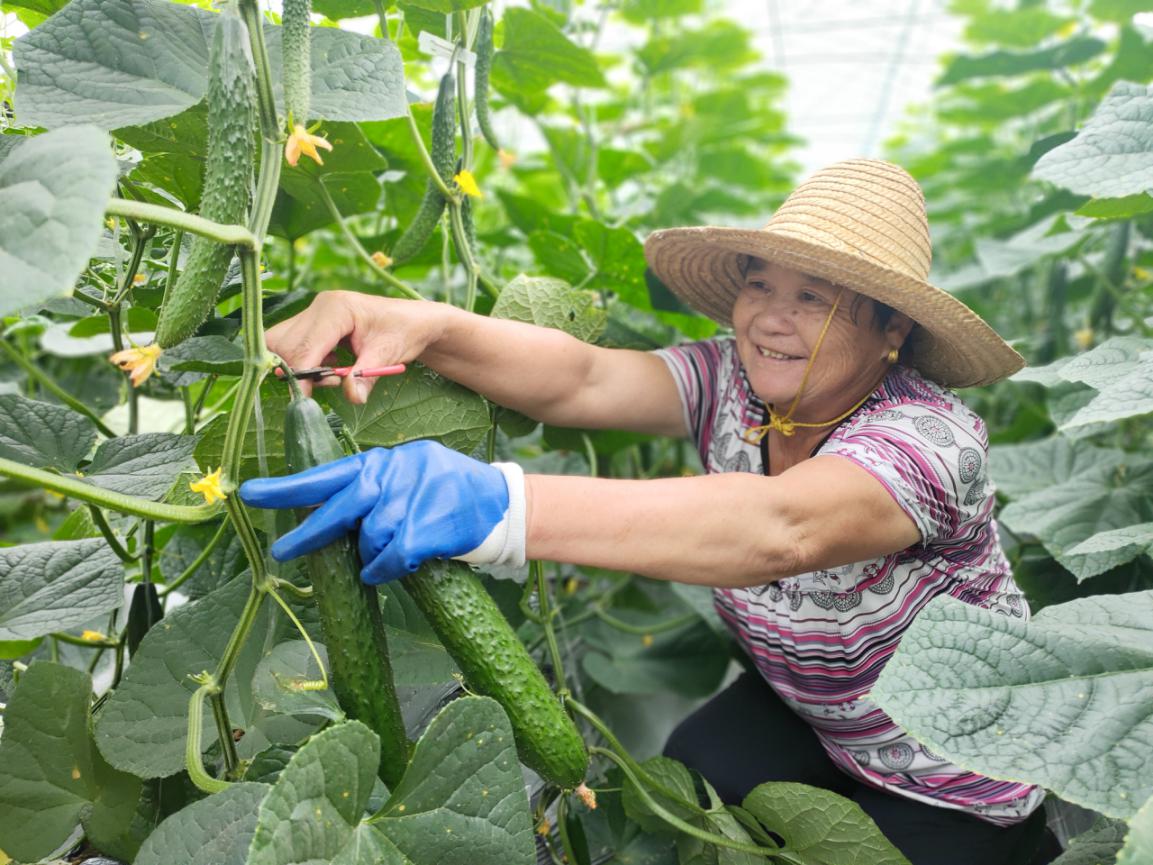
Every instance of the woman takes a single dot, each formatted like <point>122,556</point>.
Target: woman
<point>846,486</point>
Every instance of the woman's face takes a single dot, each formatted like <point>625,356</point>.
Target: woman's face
<point>777,319</point>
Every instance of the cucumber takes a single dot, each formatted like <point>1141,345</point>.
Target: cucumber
<point>495,663</point>
<point>444,159</point>
<point>349,609</point>
<point>227,179</point>
<point>297,64</point>
<point>480,82</point>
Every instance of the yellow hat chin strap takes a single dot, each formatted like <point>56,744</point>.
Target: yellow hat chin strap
<point>784,424</point>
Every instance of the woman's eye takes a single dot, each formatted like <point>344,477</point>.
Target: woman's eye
<point>809,297</point>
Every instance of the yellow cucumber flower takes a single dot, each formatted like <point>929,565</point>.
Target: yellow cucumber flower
<point>301,141</point>
<point>139,362</point>
<point>93,636</point>
<point>467,184</point>
<point>210,487</point>
<point>380,259</point>
<point>507,158</point>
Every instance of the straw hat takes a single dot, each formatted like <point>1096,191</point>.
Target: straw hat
<point>860,224</point>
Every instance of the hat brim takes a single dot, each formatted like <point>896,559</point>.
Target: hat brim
<point>952,345</point>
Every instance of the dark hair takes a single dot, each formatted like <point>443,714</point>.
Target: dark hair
<point>882,312</point>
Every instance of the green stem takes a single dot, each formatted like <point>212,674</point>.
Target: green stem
<point>403,287</point>
<point>147,550</point>
<point>110,536</point>
<point>239,635</point>
<point>384,34</point>
<point>224,732</point>
<point>158,215</point>
<point>679,824</point>
<point>125,504</point>
<point>465,249</point>
<point>659,627</point>
<point>106,643</point>
<point>173,261</point>
<point>193,761</point>
<point>427,159</point>
<point>140,241</point>
<point>200,559</point>
<point>547,614</point>
<point>50,385</point>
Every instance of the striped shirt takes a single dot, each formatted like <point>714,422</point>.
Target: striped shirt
<point>821,639</point>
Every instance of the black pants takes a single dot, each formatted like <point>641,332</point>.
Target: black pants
<point>747,735</point>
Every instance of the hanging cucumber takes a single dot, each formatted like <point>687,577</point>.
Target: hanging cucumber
<point>297,64</point>
<point>227,179</point>
<point>444,160</point>
<point>495,663</point>
<point>480,82</point>
<point>349,610</point>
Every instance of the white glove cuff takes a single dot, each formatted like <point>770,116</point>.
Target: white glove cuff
<point>505,544</point>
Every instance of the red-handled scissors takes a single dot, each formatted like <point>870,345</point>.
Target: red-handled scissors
<point>316,373</point>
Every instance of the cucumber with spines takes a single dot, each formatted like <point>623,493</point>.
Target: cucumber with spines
<point>349,610</point>
<point>227,179</point>
<point>443,154</point>
<point>495,663</point>
<point>297,63</point>
<point>484,50</point>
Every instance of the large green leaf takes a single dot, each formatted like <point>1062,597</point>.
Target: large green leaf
<point>276,683</point>
<point>1112,494</point>
<point>462,800</point>
<point>1015,28</point>
<point>1098,845</point>
<point>445,7</point>
<point>416,405</point>
<point>224,562</point>
<point>354,77</point>
<point>1004,64</point>
<point>1128,396</point>
<point>143,726</point>
<point>1120,11</point>
<point>820,826</point>
<point>719,44</point>
<point>418,658</point>
<point>217,829</point>
<point>53,586</point>
<point>265,436</point>
<point>1065,700</point>
<point>313,813</point>
<point>51,778</point>
<point>112,63</point>
<point>551,303</point>
<point>536,54</point>
<point>1139,842</point>
<point>42,434</point>
<point>143,465</point>
<point>1112,155</point>
<point>690,660</point>
<point>116,63</point>
<point>1032,467</point>
<point>55,188</point>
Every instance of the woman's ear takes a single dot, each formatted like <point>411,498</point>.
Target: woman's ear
<point>897,328</point>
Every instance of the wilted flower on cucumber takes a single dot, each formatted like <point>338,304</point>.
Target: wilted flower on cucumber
<point>139,362</point>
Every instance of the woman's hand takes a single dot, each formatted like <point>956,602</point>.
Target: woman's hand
<point>413,502</point>
<point>379,331</point>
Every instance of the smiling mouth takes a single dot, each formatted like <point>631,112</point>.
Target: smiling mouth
<point>776,355</point>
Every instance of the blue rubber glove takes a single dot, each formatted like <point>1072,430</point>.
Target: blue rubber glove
<point>413,502</point>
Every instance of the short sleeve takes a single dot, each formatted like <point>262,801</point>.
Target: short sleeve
<point>932,460</point>
<point>696,368</point>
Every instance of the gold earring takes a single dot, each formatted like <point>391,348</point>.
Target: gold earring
<point>893,354</point>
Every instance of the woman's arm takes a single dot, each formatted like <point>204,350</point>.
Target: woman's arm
<point>544,373</point>
<point>726,530</point>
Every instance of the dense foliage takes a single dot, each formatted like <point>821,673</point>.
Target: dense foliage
<point>165,687</point>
